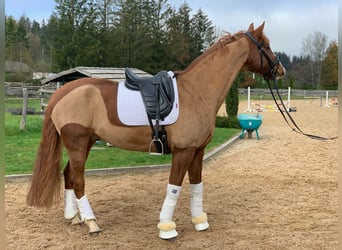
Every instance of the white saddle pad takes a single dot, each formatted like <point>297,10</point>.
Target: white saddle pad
<point>131,109</point>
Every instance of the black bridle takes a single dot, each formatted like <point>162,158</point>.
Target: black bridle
<point>271,74</point>
<point>273,64</point>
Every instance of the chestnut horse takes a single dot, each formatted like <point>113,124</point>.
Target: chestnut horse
<point>84,111</point>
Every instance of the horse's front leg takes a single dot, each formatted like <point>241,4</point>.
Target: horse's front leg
<point>199,218</point>
<point>181,160</point>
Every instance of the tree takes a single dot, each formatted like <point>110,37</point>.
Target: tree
<point>246,79</point>
<point>187,37</point>
<point>10,38</point>
<point>157,12</point>
<point>74,40</point>
<point>202,34</point>
<point>152,49</point>
<point>314,46</point>
<point>35,49</point>
<point>22,37</point>
<point>129,32</point>
<point>284,59</point>
<point>329,77</point>
<point>232,103</point>
<point>299,74</point>
<point>44,62</point>
<point>178,37</point>
<point>136,33</point>
<point>107,17</point>
<point>16,39</point>
<point>106,13</point>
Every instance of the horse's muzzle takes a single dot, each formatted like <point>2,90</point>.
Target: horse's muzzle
<point>281,72</point>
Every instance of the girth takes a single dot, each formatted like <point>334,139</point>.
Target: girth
<point>158,96</point>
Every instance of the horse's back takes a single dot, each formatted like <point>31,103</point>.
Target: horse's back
<point>102,84</point>
<point>84,100</point>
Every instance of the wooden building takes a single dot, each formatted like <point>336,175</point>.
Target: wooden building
<point>115,74</point>
<point>55,81</point>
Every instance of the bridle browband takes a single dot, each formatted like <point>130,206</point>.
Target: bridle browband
<point>271,74</point>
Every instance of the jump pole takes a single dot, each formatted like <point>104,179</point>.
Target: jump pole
<point>327,99</point>
<point>248,100</point>
<point>288,99</point>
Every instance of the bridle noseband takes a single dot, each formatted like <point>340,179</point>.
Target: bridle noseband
<point>274,65</point>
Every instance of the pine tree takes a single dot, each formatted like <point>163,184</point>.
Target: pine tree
<point>232,104</point>
<point>10,38</point>
<point>329,78</point>
<point>202,34</point>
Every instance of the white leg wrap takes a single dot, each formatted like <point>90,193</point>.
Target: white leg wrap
<point>70,205</point>
<point>166,226</point>
<point>84,207</point>
<point>170,202</point>
<point>196,199</point>
<point>199,218</point>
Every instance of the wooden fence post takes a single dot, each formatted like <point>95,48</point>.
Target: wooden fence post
<point>23,117</point>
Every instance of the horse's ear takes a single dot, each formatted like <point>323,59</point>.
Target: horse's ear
<point>251,27</point>
<point>260,29</point>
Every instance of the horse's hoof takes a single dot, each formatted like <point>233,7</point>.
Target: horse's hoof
<point>202,226</point>
<point>76,220</point>
<point>93,227</point>
<point>200,222</point>
<point>168,235</point>
<point>95,234</point>
<point>167,230</point>
<point>171,240</point>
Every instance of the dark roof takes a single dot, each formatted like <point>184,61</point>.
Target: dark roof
<point>12,66</point>
<point>116,74</point>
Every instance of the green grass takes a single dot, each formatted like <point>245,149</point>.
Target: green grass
<point>21,146</point>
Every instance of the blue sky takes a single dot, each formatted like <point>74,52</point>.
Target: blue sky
<point>287,21</point>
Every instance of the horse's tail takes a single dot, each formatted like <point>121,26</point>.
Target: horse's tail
<point>45,183</point>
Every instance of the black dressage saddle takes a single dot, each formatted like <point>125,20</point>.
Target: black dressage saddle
<point>158,96</point>
<point>157,92</point>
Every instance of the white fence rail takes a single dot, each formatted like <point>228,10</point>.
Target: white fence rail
<point>44,92</point>
<point>294,92</point>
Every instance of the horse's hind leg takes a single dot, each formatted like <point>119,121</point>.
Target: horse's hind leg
<point>70,204</point>
<point>78,141</point>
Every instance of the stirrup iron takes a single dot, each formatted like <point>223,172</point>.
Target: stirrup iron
<point>156,141</point>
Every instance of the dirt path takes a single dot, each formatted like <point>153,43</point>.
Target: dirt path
<point>276,193</point>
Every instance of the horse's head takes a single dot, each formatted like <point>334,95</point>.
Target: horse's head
<point>261,59</point>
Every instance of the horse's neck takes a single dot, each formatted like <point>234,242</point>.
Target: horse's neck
<point>211,78</point>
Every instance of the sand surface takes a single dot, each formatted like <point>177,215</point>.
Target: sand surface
<point>276,193</point>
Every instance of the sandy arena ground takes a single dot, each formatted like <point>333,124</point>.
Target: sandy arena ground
<point>276,193</point>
